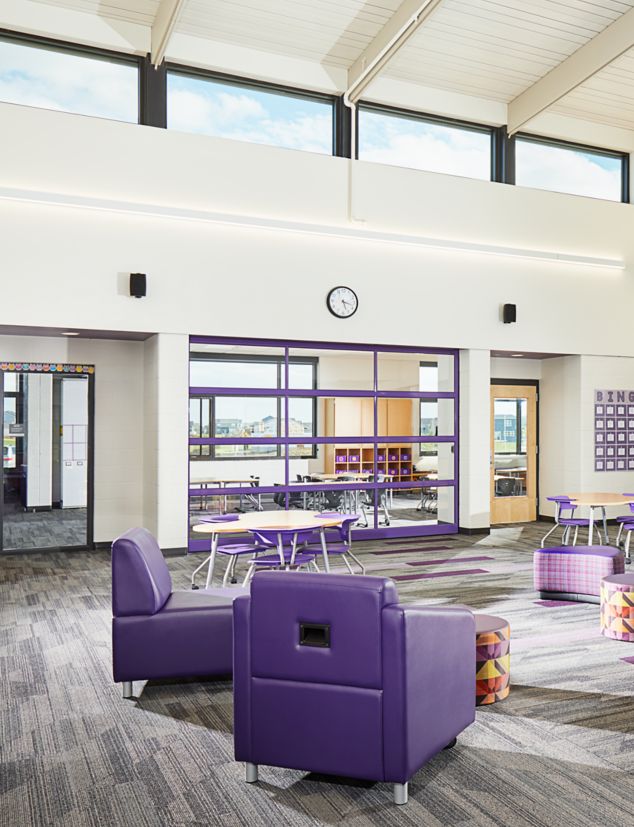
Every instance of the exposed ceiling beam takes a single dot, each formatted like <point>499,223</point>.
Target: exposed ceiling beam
<point>595,55</point>
<point>398,29</point>
<point>166,18</point>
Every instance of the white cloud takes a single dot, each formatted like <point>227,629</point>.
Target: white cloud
<point>56,80</point>
<point>241,117</point>
<point>563,170</point>
<point>424,146</point>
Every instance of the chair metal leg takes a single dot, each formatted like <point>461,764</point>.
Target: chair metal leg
<point>627,546</point>
<point>347,564</point>
<point>358,562</point>
<point>204,563</point>
<point>618,536</point>
<point>251,773</point>
<point>128,689</point>
<point>400,793</point>
<point>574,539</point>
<point>547,535</point>
<point>564,536</point>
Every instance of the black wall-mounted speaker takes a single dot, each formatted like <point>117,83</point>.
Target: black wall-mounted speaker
<point>509,313</point>
<point>138,285</point>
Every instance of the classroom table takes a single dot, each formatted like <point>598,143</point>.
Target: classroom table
<point>296,519</point>
<point>228,482</point>
<point>602,500</point>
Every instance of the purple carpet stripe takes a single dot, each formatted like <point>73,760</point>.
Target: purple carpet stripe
<point>553,603</point>
<point>438,574</point>
<point>403,541</point>
<point>411,550</point>
<point>449,560</point>
<point>628,660</point>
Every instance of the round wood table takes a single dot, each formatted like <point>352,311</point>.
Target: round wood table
<point>297,520</point>
<point>602,500</point>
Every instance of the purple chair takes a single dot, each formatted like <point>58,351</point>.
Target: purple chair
<point>332,675</point>
<point>622,521</point>
<point>343,548</point>
<point>565,506</point>
<point>286,555</point>
<point>158,633</point>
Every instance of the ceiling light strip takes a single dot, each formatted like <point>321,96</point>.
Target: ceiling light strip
<point>282,225</point>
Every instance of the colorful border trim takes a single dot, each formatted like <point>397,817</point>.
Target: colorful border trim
<point>45,367</point>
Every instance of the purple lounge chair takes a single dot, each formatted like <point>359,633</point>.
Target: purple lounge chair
<point>159,633</point>
<point>332,675</point>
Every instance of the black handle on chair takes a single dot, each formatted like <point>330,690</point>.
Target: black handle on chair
<point>314,634</point>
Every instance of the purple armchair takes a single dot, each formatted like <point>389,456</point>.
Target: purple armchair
<point>159,633</point>
<point>332,675</point>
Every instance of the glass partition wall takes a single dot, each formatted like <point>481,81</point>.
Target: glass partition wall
<point>371,431</point>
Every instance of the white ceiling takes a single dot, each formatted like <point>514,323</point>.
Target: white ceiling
<point>491,49</point>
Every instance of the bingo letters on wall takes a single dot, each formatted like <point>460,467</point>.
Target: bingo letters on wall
<point>613,430</point>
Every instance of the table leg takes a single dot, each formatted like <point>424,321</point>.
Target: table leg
<point>591,526</point>
<point>324,549</point>
<point>212,561</point>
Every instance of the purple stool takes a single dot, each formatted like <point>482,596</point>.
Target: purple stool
<point>332,675</point>
<point>159,633</point>
<point>565,506</point>
<point>575,572</point>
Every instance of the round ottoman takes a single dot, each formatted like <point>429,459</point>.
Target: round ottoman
<point>493,659</point>
<point>617,607</point>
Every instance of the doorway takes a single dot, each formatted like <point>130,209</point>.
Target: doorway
<point>513,452</point>
<point>46,481</point>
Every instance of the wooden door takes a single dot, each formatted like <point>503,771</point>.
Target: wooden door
<point>513,454</point>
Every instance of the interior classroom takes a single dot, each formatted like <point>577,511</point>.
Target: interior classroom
<point>317,404</point>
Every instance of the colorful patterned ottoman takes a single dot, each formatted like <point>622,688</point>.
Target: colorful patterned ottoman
<point>617,607</point>
<point>493,659</point>
<point>575,572</point>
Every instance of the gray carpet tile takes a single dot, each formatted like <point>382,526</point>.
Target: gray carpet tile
<point>559,749</point>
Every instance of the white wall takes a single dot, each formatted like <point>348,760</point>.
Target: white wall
<point>502,368</point>
<point>475,429</point>
<point>408,294</point>
<point>119,420</point>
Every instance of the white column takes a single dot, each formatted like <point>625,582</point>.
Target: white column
<point>475,439</point>
<point>166,435</point>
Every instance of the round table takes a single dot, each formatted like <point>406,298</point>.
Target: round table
<point>285,520</point>
<point>602,500</point>
<point>617,607</point>
<point>493,659</point>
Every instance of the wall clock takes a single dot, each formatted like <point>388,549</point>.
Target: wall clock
<point>342,302</point>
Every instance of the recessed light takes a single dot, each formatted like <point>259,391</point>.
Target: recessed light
<point>69,333</point>
<point>517,355</point>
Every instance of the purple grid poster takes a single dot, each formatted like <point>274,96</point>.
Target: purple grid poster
<point>613,430</point>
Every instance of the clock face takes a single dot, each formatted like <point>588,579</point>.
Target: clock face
<point>342,302</point>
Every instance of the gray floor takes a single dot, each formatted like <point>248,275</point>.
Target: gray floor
<point>59,528</point>
<point>559,750</point>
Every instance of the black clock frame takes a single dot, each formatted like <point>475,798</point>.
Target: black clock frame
<point>338,287</point>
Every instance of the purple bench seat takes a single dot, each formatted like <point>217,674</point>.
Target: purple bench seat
<point>575,572</point>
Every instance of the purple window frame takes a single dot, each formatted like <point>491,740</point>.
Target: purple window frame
<point>287,393</point>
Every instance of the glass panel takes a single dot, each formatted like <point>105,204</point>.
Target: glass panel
<point>407,507</point>
<point>55,79</point>
<point>410,141</point>
<point>565,169</point>
<point>301,417</point>
<point>245,113</point>
<point>415,372</point>
<point>415,417</point>
<point>45,459</point>
<point>302,375</point>
<point>10,382</point>
<point>246,416</point>
<point>509,445</point>
<point>337,369</point>
<point>233,373</point>
<point>349,416</point>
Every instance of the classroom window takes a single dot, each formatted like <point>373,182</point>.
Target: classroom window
<point>57,78</point>
<point>565,168</point>
<point>405,139</point>
<point>245,112</point>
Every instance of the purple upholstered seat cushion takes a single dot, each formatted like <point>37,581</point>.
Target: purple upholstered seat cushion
<point>281,601</point>
<point>141,582</point>
<point>592,551</point>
